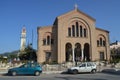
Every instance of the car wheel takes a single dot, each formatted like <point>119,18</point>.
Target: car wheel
<point>75,71</point>
<point>13,73</point>
<point>37,73</point>
<point>93,71</point>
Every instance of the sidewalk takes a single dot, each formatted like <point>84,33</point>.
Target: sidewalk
<point>3,71</point>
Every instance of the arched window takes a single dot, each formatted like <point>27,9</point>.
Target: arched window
<point>77,30</point>
<point>104,44</point>
<point>48,40</point>
<point>44,41</point>
<point>100,41</point>
<point>73,30</point>
<point>85,34</point>
<point>80,31</point>
<point>69,32</point>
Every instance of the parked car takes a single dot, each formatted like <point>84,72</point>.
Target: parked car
<point>28,68</point>
<point>83,67</point>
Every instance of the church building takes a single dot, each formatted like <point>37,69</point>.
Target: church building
<point>72,37</point>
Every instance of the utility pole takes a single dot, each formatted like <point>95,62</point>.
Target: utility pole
<point>32,37</point>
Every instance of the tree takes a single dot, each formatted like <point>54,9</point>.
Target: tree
<point>12,56</point>
<point>115,55</point>
<point>28,54</point>
<point>3,59</point>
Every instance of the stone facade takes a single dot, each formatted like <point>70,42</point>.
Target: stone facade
<point>72,37</point>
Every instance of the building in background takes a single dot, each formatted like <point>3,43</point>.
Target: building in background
<point>72,37</point>
<point>115,45</point>
<point>115,50</point>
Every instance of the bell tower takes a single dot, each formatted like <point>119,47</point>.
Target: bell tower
<point>23,39</point>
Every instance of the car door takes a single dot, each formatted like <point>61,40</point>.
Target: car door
<point>82,67</point>
<point>31,68</point>
<point>28,69</point>
<point>23,69</point>
<point>88,67</point>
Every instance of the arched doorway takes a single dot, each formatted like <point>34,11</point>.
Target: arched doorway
<point>86,52</point>
<point>77,52</point>
<point>68,52</point>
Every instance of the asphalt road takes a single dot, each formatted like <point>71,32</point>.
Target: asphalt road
<point>97,76</point>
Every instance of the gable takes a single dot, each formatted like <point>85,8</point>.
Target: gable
<point>76,13</point>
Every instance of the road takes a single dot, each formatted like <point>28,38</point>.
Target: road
<point>97,76</point>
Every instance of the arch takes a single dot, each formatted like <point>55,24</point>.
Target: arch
<point>102,40</point>
<point>68,49</point>
<point>47,34</point>
<point>47,38</point>
<point>101,36</point>
<point>86,52</point>
<point>77,52</point>
<point>82,28</point>
<point>82,21</point>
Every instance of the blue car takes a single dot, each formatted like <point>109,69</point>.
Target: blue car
<point>28,68</point>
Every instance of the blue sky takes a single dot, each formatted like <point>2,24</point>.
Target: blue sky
<point>33,13</point>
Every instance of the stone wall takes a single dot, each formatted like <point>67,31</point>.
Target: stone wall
<point>57,67</point>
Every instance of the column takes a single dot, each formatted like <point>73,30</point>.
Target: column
<point>82,55</point>
<point>73,53</point>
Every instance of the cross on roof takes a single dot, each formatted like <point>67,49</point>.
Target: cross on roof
<point>76,6</point>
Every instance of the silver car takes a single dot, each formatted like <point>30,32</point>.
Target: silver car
<point>83,67</point>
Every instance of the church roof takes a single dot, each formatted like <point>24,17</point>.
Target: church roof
<point>76,10</point>
<point>102,30</point>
